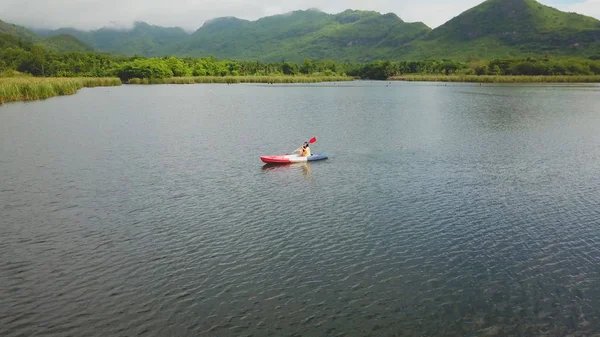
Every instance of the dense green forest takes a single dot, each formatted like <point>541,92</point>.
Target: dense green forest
<point>21,56</point>
<point>24,57</point>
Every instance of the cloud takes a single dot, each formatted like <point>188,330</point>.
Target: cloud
<point>191,14</point>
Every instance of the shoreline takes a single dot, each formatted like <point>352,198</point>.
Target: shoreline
<point>240,79</point>
<point>23,89</point>
<point>498,78</point>
<point>28,88</point>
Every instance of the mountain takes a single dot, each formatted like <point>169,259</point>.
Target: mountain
<point>493,29</point>
<point>347,36</point>
<point>19,31</point>
<point>65,43</point>
<point>20,37</point>
<point>508,28</point>
<point>142,39</point>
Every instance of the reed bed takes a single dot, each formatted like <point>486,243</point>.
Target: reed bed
<point>499,79</point>
<point>240,79</point>
<point>34,88</point>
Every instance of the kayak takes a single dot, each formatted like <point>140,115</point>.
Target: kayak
<point>292,158</point>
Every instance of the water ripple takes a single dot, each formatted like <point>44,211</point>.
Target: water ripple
<point>455,216</point>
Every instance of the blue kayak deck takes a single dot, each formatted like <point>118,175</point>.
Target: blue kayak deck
<point>316,156</point>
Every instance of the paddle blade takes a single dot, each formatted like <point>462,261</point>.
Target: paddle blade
<point>312,140</point>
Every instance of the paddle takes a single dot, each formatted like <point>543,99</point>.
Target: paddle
<point>312,140</point>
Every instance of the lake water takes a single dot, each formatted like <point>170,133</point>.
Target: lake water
<point>443,210</point>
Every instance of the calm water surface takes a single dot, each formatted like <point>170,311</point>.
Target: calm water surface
<point>458,210</point>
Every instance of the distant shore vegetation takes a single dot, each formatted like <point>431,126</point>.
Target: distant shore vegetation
<point>17,55</point>
<point>26,71</point>
<point>229,79</point>
<point>498,78</point>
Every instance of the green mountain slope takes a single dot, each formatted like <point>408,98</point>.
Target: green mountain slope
<point>508,28</point>
<point>142,39</point>
<point>13,41</point>
<point>23,38</point>
<point>21,32</point>
<point>65,43</point>
<point>354,36</point>
<point>347,36</point>
<point>493,29</point>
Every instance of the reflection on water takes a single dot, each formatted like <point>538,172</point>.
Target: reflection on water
<point>306,170</point>
<point>293,167</point>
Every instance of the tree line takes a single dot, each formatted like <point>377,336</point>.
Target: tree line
<point>503,67</point>
<point>17,55</point>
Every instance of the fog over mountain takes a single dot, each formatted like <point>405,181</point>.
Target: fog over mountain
<point>191,14</point>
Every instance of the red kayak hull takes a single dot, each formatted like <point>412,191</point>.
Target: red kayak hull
<point>284,159</point>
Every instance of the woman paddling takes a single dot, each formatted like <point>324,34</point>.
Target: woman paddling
<point>304,150</point>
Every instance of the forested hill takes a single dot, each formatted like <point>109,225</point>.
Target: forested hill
<point>509,28</point>
<point>57,42</point>
<point>141,39</point>
<point>347,36</point>
<point>493,29</point>
<point>19,31</point>
<point>356,36</point>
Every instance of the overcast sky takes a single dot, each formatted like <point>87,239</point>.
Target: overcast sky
<point>190,14</point>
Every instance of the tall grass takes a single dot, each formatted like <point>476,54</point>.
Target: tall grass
<point>240,79</point>
<point>33,88</point>
<point>499,79</point>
